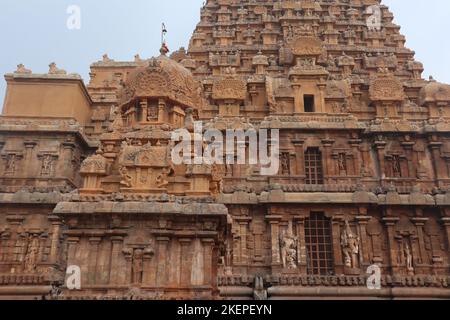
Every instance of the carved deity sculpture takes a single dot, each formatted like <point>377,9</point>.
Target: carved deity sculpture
<point>350,246</point>
<point>10,167</point>
<point>408,257</point>
<point>137,265</point>
<point>126,178</point>
<point>31,256</point>
<point>47,165</point>
<point>288,244</point>
<point>285,166</point>
<point>342,163</point>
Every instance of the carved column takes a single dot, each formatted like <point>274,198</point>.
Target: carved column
<point>390,223</point>
<point>300,157</point>
<point>327,144</point>
<point>301,250</point>
<point>72,246</point>
<point>274,222</point>
<point>162,257</point>
<point>208,245</point>
<point>161,108</point>
<point>446,223</point>
<point>440,167</point>
<point>419,222</point>
<point>408,147</point>
<point>31,167</point>
<point>66,168</point>
<point>94,243</point>
<point>55,240</point>
<point>186,261</point>
<point>242,229</point>
<point>380,145</point>
<point>364,243</point>
<point>298,99</point>
<point>355,144</point>
<point>144,109</point>
<point>337,250</point>
<point>117,275</point>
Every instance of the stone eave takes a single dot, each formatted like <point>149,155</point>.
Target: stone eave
<point>143,208</point>
<point>67,125</point>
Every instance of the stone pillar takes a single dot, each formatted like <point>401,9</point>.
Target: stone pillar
<point>390,223</point>
<point>337,250</point>
<point>197,272</point>
<point>186,261</point>
<point>242,229</point>
<point>408,147</point>
<point>446,223</point>
<point>298,99</point>
<point>440,168</point>
<point>301,250</point>
<point>31,167</point>
<point>144,109</point>
<point>149,269</point>
<point>364,257</point>
<point>65,166</point>
<point>161,261</point>
<point>55,240</point>
<point>161,108</point>
<point>117,274</point>
<point>355,144</point>
<point>420,222</point>
<point>380,145</point>
<point>208,276</point>
<point>274,222</point>
<point>72,246</point>
<point>327,144</point>
<point>94,243</point>
<point>300,157</point>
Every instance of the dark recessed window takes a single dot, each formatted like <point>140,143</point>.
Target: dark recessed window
<point>319,246</point>
<point>308,101</point>
<point>313,166</point>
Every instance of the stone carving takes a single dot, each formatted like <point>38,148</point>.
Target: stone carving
<point>350,247</point>
<point>288,249</point>
<point>137,265</point>
<point>230,89</point>
<point>53,69</point>
<point>386,87</point>
<point>31,257</point>
<point>22,70</point>
<point>47,165</point>
<point>126,177</point>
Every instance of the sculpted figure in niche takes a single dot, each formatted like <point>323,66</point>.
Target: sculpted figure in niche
<point>350,246</point>
<point>137,265</point>
<point>342,162</point>
<point>161,179</point>
<point>408,257</point>
<point>10,167</point>
<point>47,165</point>
<point>126,178</point>
<point>285,163</point>
<point>32,254</point>
<point>288,243</point>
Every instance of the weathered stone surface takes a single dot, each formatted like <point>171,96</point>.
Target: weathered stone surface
<point>87,178</point>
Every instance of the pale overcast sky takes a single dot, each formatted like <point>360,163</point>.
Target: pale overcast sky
<point>35,32</point>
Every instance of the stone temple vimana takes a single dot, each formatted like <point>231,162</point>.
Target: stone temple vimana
<point>87,178</point>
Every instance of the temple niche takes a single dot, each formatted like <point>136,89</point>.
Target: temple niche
<point>88,178</point>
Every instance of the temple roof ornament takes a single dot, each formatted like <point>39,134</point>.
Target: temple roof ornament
<point>162,77</point>
<point>22,70</point>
